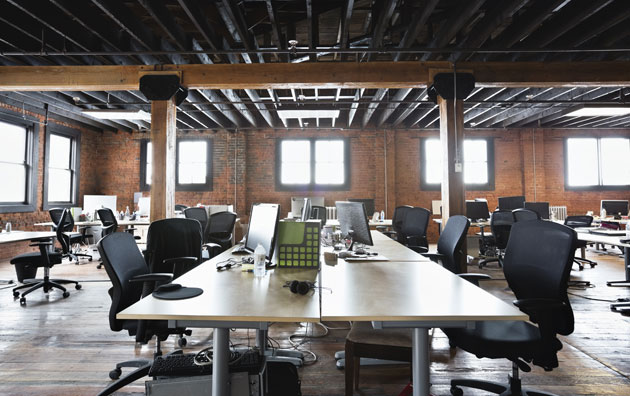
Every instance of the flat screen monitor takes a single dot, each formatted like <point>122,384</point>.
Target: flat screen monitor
<point>368,203</point>
<point>144,206</point>
<point>436,207</point>
<point>351,216</point>
<point>263,227</point>
<point>477,210</point>
<point>542,208</point>
<point>511,203</point>
<point>306,210</point>
<point>92,203</point>
<point>614,207</point>
<point>297,204</point>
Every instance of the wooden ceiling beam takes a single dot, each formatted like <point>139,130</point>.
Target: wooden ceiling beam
<point>315,75</point>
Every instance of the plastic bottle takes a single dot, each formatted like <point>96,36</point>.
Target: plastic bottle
<point>127,214</point>
<point>382,215</point>
<point>627,229</point>
<point>603,213</point>
<point>259,261</point>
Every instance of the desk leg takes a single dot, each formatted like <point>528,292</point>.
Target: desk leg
<point>420,362</point>
<point>221,357</point>
<point>626,264</point>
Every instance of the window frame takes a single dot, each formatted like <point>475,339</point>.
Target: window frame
<point>313,186</point>
<point>598,187</point>
<point>75,165</point>
<point>32,163</point>
<point>489,186</point>
<point>207,186</point>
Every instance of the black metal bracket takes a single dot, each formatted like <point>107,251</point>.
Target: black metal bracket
<point>444,86</point>
<point>162,87</point>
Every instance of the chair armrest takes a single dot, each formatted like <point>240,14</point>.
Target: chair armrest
<point>539,304</point>
<point>40,244</point>
<point>181,265</point>
<point>155,277</point>
<point>433,256</point>
<point>474,278</point>
<point>211,245</point>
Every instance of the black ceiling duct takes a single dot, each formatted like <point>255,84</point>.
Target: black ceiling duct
<point>162,87</point>
<point>444,86</point>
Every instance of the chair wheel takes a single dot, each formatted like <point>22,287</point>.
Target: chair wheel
<point>16,294</point>
<point>455,391</point>
<point>66,294</point>
<point>78,286</point>
<point>23,301</point>
<point>99,266</point>
<point>182,342</point>
<point>90,259</point>
<point>115,374</point>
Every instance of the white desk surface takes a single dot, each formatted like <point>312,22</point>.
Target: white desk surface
<point>386,222</point>
<point>98,223</point>
<point>18,236</point>
<point>406,291</point>
<point>472,224</point>
<point>391,249</point>
<point>233,295</point>
<point>584,235</point>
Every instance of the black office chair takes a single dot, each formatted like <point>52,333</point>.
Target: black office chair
<point>500,225</point>
<point>363,341</point>
<point>319,212</point>
<point>130,275</point>
<point>397,221</point>
<point>220,229</point>
<point>84,238</point>
<point>173,246</point>
<point>180,207</point>
<point>414,228</point>
<point>522,214</point>
<point>66,237</point>
<point>538,277</point>
<point>200,215</point>
<point>580,221</point>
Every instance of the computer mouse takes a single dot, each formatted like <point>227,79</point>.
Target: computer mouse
<point>360,251</point>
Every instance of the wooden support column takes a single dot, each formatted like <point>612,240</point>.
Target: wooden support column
<point>163,131</point>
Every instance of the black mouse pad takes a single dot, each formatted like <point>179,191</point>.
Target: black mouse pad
<point>179,294</point>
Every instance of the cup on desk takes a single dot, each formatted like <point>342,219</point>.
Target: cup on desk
<point>7,227</point>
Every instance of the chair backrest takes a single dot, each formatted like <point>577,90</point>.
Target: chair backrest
<point>415,225</point>
<point>537,264</point>
<point>522,214</point>
<point>500,224</point>
<point>65,224</point>
<point>319,212</point>
<point>180,207</point>
<point>171,238</point>
<point>451,240</point>
<point>578,221</point>
<point>110,224</point>
<point>200,215</point>
<point>123,261</point>
<point>55,217</point>
<point>221,224</point>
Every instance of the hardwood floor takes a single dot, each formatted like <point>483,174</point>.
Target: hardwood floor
<point>56,346</point>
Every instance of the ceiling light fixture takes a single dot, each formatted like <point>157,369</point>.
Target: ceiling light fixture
<point>286,114</point>
<point>600,112</point>
<point>116,114</point>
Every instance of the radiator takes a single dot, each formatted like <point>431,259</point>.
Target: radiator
<point>560,212</point>
<point>331,212</point>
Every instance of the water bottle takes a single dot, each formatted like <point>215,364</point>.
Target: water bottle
<point>628,229</point>
<point>127,214</point>
<point>259,261</point>
<point>382,215</point>
<point>603,213</point>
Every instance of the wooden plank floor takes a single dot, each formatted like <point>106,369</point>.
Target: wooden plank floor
<point>57,346</point>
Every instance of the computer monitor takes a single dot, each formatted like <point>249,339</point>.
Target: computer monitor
<point>306,210</point>
<point>368,203</point>
<point>614,207</point>
<point>542,208</point>
<point>436,207</point>
<point>477,210</point>
<point>352,217</point>
<point>263,227</point>
<point>511,203</point>
<point>297,203</point>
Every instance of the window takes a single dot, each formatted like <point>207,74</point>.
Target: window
<point>61,181</point>
<point>18,166</point>
<point>194,165</point>
<point>312,164</point>
<point>597,163</point>
<point>478,164</point>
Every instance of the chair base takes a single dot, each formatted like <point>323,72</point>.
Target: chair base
<point>46,283</point>
<point>142,371</point>
<point>485,262</point>
<point>512,389</point>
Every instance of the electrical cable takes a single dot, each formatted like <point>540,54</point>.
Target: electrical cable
<point>592,298</point>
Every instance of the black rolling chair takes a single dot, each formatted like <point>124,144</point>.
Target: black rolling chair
<point>220,229</point>
<point>66,238</point>
<point>580,221</point>
<point>180,207</point>
<point>397,221</point>
<point>522,214</point>
<point>414,228</point>
<point>500,225</point>
<point>130,275</point>
<point>82,237</point>
<point>319,213</point>
<point>110,223</point>
<point>538,277</point>
<point>173,246</point>
<point>198,214</point>
<point>449,247</point>
<point>211,248</point>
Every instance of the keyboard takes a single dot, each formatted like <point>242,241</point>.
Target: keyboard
<point>183,365</point>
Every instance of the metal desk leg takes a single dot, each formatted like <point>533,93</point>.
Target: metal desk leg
<point>420,362</point>
<point>221,357</point>
<point>626,264</point>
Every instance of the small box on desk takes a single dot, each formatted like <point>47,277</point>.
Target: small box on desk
<point>298,244</point>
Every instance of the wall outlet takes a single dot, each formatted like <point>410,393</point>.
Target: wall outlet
<point>458,167</point>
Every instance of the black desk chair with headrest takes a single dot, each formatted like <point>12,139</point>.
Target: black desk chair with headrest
<point>414,228</point>
<point>319,213</point>
<point>522,214</point>
<point>397,221</point>
<point>220,229</point>
<point>173,246</point>
<point>66,237</point>
<point>130,275</point>
<point>500,225</point>
<point>538,277</point>
<point>575,222</point>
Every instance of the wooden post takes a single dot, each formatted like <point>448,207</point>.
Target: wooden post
<point>452,141</point>
<point>163,131</point>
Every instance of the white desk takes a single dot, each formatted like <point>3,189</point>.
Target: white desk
<point>98,223</point>
<point>20,236</point>
<point>584,235</point>
<point>408,295</point>
<point>389,248</point>
<point>386,223</point>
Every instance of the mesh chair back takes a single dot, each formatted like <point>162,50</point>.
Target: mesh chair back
<point>66,224</point>
<point>55,217</point>
<point>522,214</point>
<point>180,207</point>
<point>537,264</point>
<point>200,215</point>
<point>171,238</point>
<point>110,224</point>
<point>451,240</point>
<point>319,212</point>
<point>414,226</point>
<point>123,261</point>
<point>397,221</point>
<point>578,221</point>
<point>500,224</point>
<point>221,224</point>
